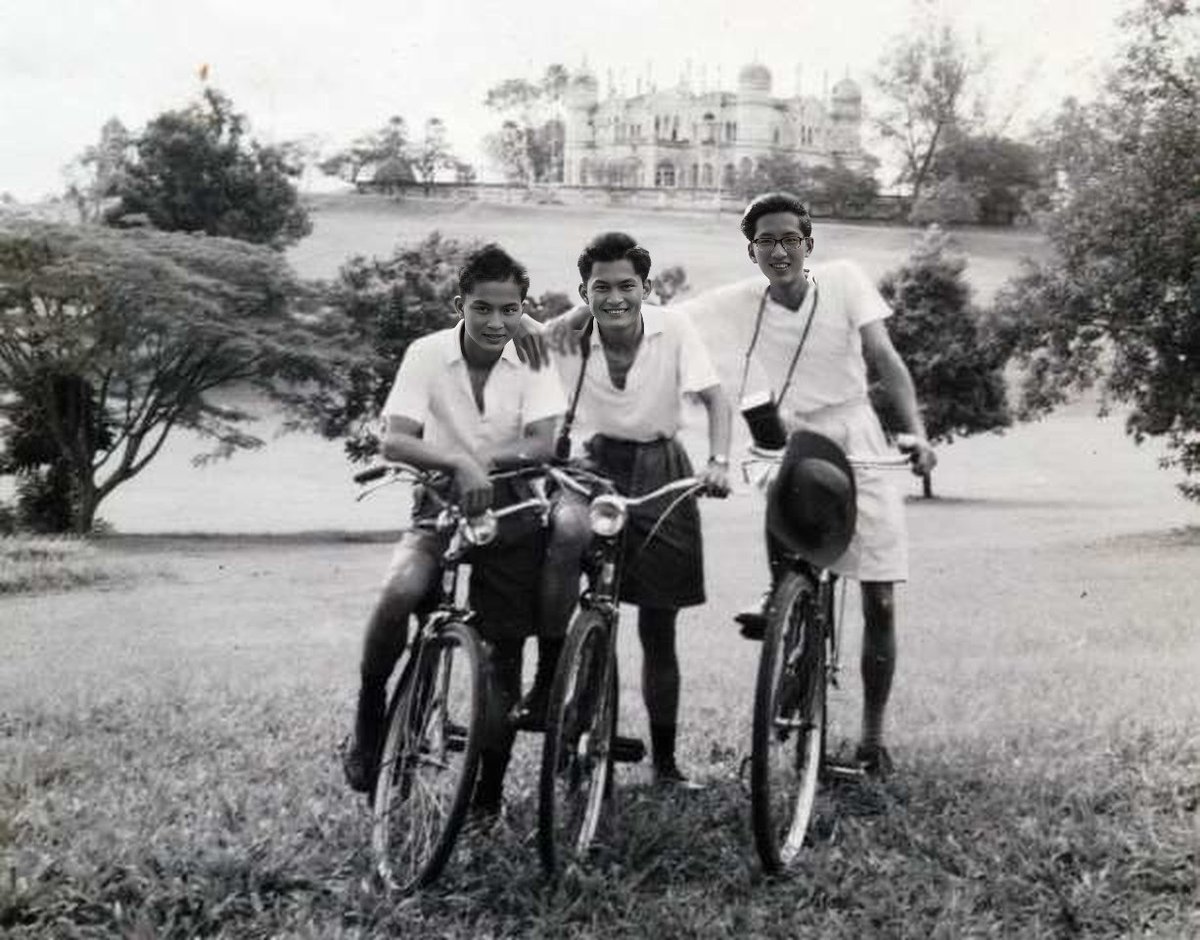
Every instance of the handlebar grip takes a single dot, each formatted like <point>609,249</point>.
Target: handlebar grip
<point>371,473</point>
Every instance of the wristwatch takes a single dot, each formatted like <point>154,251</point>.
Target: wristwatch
<point>721,460</point>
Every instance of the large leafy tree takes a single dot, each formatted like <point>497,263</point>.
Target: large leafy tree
<point>1117,298</point>
<point>389,145</point>
<point>95,177</point>
<point>529,145</point>
<point>924,81</point>
<point>999,174</point>
<point>956,361</point>
<point>195,170</point>
<point>111,339</point>
<point>432,153</point>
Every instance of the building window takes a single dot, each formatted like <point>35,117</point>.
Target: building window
<point>693,175</point>
<point>664,175</point>
<point>727,176</point>
<point>583,173</point>
<point>706,176</point>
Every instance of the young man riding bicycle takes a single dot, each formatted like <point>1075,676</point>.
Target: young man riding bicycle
<point>805,339</point>
<point>461,403</point>
<point>634,366</point>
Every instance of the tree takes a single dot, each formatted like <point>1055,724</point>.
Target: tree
<point>195,171</point>
<point>96,176</point>
<point>957,367</point>
<point>432,154</point>
<point>842,191</point>
<point>999,175</point>
<point>773,172</point>
<point>1117,300</point>
<point>389,144</point>
<point>382,305</point>
<point>923,79</point>
<point>110,340</point>
<point>529,146</point>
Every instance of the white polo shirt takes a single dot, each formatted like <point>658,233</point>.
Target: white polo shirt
<point>433,388</point>
<point>670,360</point>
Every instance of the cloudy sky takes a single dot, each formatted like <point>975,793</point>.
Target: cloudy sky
<point>328,71</point>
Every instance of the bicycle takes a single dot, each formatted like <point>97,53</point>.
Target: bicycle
<point>581,743</point>
<point>436,713</point>
<point>798,666</point>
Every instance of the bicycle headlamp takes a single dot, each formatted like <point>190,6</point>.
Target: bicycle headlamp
<point>480,529</point>
<point>607,515</point>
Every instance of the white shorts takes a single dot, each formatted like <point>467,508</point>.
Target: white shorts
<point>879,549</point>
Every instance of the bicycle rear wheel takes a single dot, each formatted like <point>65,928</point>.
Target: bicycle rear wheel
<point>577,751</point>
<point>430,758</point>
<point>789,723</point>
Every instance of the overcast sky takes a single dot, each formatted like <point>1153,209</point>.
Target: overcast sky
<point>330,71</point>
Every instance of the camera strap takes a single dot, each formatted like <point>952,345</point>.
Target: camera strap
<point>562,447</point>
<point>762,304</point>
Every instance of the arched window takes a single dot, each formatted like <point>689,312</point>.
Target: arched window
<point>693,175</point>
<point>664,174</point>
<point>727,175</point>
<point>706,176</point>
<point>710,128</point>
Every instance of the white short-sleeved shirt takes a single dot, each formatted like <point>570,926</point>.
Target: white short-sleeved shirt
<point>671,361</point>
<point>433,388</point>
<point>831,369</point>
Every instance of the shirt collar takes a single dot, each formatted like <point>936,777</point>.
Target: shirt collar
<point>652,323</point>
<point>453,346</point>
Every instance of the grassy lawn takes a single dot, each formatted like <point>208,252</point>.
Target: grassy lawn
<point>35,564</point>
<point>167,749</point>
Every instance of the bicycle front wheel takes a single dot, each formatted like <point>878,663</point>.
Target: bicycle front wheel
<point>789,723</point>
<point>577,751</point>
<point>430,758</point>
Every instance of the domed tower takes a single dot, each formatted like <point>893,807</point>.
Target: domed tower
<point>845,117</point>
<point>756,115</point>
<point>579,134</point>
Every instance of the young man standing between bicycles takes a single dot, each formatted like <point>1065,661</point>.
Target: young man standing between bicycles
<point>806,338</point>
<point>636,364</point>
<point>462,401</point>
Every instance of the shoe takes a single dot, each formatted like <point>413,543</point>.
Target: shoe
<point>361,769</point>
<point>530,713</point>
<point>875,761</point>
<point>754,621</point>
<point>669,775</point>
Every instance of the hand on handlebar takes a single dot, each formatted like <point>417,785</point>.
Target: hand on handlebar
<point>716,480</point>
<point>920,452</point>
<point>473,487</point>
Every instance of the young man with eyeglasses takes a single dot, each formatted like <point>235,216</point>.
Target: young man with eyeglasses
<point>804,339</point>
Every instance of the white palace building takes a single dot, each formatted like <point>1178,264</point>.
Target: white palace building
<point>696,142</point>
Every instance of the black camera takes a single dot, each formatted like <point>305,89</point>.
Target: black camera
<point>762,417</point>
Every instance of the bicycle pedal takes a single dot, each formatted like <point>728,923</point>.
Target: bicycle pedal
<point>843,772</point>
<point>456,738</point>
<point>628,750</point>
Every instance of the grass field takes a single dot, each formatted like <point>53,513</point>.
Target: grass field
<point>167,746</point>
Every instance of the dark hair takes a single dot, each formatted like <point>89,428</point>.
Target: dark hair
<point>613,246</point>
<point>492,263</point>
<point>774,202</point>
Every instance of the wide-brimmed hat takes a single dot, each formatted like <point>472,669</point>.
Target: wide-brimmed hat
<point>812,502</point>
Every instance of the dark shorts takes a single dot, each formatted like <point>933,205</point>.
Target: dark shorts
<point>506,575</point>
<point>667,571</point>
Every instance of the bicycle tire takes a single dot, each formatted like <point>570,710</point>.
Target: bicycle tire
<point>430,759</point>
<point>577,760</point>
<point>788,741</point>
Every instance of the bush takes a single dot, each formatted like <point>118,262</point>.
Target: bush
<point>956,364</point>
